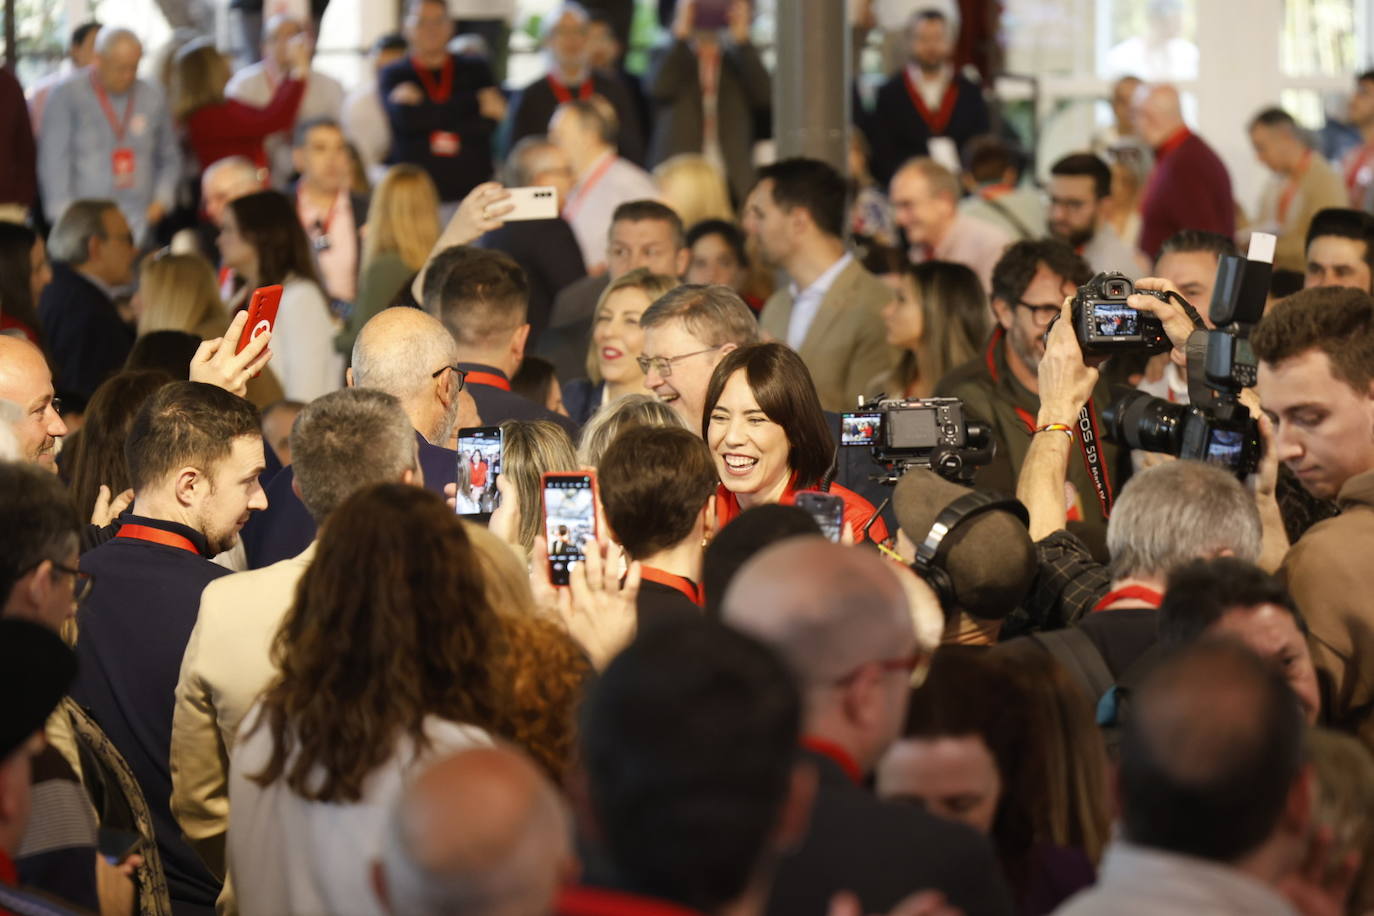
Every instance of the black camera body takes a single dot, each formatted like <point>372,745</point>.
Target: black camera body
<point>1105,324</point>
<point>930,433</point>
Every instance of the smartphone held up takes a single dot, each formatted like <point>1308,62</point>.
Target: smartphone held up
<point>569,519</point>
<point>480,450</point>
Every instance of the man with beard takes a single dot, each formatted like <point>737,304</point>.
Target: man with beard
<point>194,453</point>
<point>925,99</point>
<point>1079,186</point>
<point>1001,387</point>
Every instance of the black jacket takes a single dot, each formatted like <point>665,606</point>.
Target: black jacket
<point>547,251</point>
<point>883,852</point>
<point>85,336</point>
<point>900,132</point>
<point>497,405</point>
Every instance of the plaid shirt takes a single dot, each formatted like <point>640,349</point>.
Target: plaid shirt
<point>1067,585</point>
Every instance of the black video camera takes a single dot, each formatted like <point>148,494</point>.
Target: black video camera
<point>1215,427</point>
<point>1105,324</point>
<point>931,433</point>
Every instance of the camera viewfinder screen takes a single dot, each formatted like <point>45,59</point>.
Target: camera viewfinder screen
<point>860,428</point>
<point>915,428</point>
<point>1225,447</point>
<point>569,518</point>
<point>1115,321</point>
<point>479,464</point>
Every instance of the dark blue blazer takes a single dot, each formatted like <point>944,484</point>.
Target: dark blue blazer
<point>497,405</point>
<point>85,336</point>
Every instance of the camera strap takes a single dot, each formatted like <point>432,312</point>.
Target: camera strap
<point>1089,442</point>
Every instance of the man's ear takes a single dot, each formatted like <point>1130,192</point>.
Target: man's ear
<point>32,589</point>
<point>1004,311</point>
<point>445,388</point>
<point>187,481</point>
<point>348,378</point>
<point>681,261</point>
<point>518,341</point>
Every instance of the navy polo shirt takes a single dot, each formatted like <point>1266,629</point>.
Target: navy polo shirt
<point>133,632</point>
<point>497,404</point>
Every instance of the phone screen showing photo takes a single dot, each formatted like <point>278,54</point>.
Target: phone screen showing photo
<point>479,464</point>
<point>569,519</point>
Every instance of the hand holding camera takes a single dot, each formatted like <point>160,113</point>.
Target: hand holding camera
<point>1066,381</point>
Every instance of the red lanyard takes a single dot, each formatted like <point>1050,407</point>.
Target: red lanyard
<point>682,584</point>
<point>560,91</point>
<point>1290,190</point>
<point>937,121</point>
<point>158,536</point>
<point>120,127</point>
<point>491,379</point>
<point>1140,592</point>
<point>1088,438</point>
<point>580,193</point>
<point>436,92</point>
<point>836,753</point>
<point>328,217</point>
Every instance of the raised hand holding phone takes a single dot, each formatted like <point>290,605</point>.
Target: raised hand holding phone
<point>217,362</point>
<point>597,607</point>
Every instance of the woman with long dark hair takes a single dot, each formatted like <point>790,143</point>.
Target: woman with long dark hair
<point>387,658</point>
<point>939,319</point>
<point>24,273</point>
<point>262,240</point>
<point>764,425</point>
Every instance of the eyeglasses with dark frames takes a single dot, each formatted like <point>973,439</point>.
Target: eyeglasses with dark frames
<point>461,373</point>
<point>82,582</point>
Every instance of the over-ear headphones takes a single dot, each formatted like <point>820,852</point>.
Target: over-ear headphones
<point>933,551</point>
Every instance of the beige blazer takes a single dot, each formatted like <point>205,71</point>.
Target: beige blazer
<point>846,345</point>
<point>226,665</point>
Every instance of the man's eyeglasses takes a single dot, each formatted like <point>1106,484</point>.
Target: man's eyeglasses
<point>82,582</point>
<point>664,364</point>
<point>1043,314</point>
<point>913,665</point>
<point>461,373</point>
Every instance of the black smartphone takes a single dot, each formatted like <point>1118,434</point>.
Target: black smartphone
<point>569,519</point>
<point>827,509</point>
<point>479,464</point>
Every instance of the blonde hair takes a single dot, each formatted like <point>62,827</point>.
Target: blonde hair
<point>533,447</point>
<point>631,410</point>
<point>179,294</point>
<point>199,75</point>
<point>694,188</point>
<point>404,216</point>
<point>641,278</point>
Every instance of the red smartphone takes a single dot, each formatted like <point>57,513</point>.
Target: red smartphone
<point>569,519</point>
<point>262,314</point>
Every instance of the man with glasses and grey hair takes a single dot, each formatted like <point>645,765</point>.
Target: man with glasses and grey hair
<point>92,250</point>
<point>840,618</point>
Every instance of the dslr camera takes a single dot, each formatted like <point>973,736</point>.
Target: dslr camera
<point>1215,426</point>
<point>930,433</point>
<point>1105,324</point>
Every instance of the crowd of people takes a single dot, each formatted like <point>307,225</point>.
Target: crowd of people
<point>515,565</point>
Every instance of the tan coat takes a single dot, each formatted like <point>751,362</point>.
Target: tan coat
<point>1329,573</point>
<point>1318,188</point>
<point>846,345</point>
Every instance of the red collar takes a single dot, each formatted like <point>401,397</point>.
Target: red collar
<point>440,90</point>
<point>563,95</point>
<point>990,357</point>
<point>490,379</point>
<point>157,536</point>
<point>937,121</point>
<point>994,191</point>
<point>1173,142</point>
<point>8,874</point>
<point>1149,596</point>
<point>687,587</point>
<point>595,901</point>
<point>833,751</point>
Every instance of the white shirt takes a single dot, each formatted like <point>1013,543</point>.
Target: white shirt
<point>303,354</point>
<point>323,99</point>
<point>290,855</point>
<point>971,242</point>
<point>807,302</point>
<point>608,183</point>
<point>932,89</point>
<point>365,125</point>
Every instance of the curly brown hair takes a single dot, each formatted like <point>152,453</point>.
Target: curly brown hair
<point>391,624</point>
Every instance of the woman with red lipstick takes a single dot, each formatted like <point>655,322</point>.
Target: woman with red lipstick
<point>617,339</point>
<point>767,433</point>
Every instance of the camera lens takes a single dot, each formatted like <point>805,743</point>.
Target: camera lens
<point>1148,423</point>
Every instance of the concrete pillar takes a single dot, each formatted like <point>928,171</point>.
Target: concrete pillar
<point>811,92</point>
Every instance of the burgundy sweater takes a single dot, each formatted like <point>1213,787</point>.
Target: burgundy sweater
<point>1189,188</point>
<point>18,180</point>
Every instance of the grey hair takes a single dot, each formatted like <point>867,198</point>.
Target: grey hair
<point>1180,511</point>
<point>520,169</point>
<point>715,315</point>
<point>607,422</point>
<point>70,240</point>
<point>400,363</point>
<point>347,440</point>
<point>520,882</point>
<point>563,9</point>
<point>111,35</point>
<point>240,164</point>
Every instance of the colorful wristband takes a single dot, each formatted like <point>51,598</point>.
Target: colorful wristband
<point>1064,428</point>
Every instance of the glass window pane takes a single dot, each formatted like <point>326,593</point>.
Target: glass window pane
<point>1152,39</point>
<point>1318,38</point>
<point>1039,39</point>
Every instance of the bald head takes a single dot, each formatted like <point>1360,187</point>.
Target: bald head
<point>480,833</point>
<point>1158,112</point>
<point>1210,753</point>
<point>225,181</point>
<point>826,608</point>
<point>398,349</point>
<point>26,382</point>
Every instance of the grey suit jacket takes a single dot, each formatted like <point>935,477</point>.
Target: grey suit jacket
<point>846,344</point>
<point>673,85</point>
